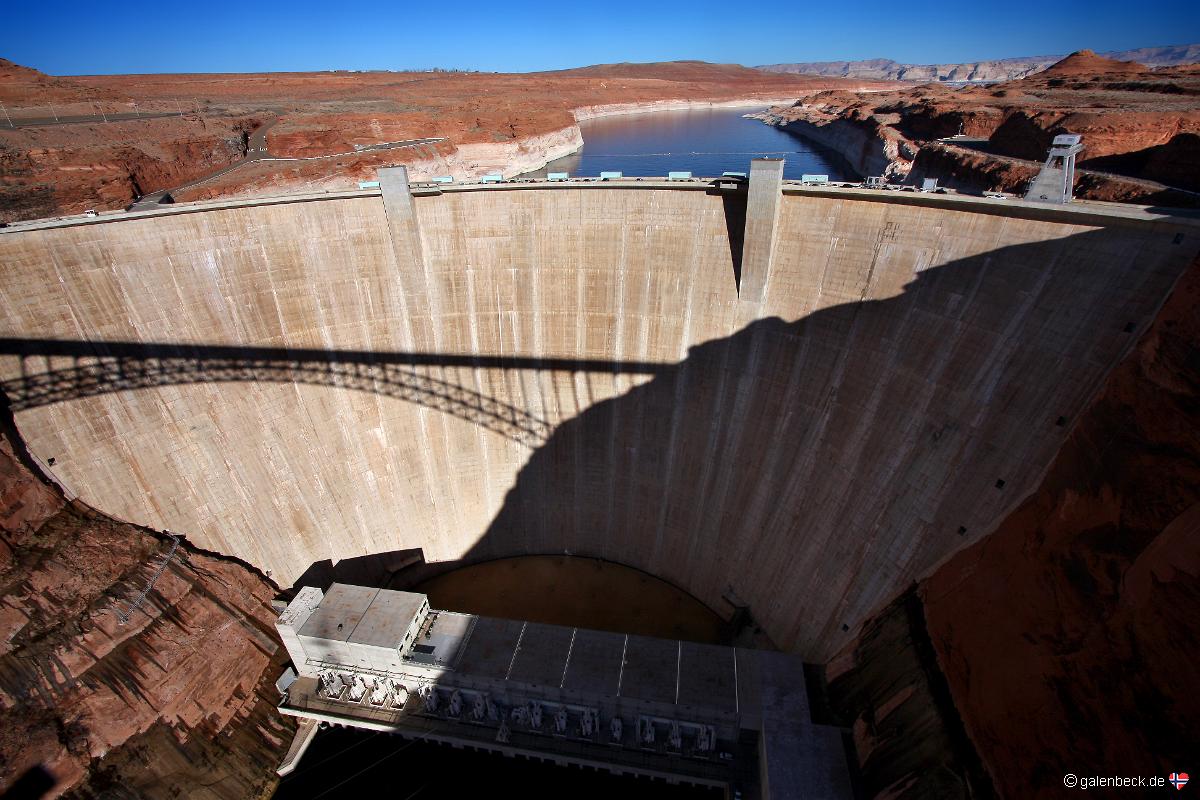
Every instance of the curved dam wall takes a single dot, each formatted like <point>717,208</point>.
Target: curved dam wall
<point>571,369</point>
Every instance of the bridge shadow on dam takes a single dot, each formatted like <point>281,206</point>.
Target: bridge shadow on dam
<point>54,371</point>
<point>779,462</point>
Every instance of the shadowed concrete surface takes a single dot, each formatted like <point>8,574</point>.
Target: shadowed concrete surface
<point>1065,640</point>
<point>890,395</point>
<point>577,592</point>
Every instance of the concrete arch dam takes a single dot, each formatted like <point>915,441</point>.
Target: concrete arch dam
<point>808,397</point>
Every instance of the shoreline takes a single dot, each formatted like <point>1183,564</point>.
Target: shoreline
<point>588,113</point>
<point>574,134</point>
<point>585,113</point>
<point>470,161</point>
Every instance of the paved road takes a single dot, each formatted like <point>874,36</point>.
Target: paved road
<point>257,150</point>
<point>38,122</point>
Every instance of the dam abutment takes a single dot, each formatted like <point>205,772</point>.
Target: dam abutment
<point>762,224</point>
<point>402,218</point>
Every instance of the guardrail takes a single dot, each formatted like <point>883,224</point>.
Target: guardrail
<point>674,177</point>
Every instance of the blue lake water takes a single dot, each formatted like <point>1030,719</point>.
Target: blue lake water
<point>705,142</point>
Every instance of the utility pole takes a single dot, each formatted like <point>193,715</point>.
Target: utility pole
<point>6,116</point>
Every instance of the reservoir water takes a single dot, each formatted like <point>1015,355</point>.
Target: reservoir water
<point>705,142</point>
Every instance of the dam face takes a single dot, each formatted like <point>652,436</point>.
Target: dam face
<point>572,369</point>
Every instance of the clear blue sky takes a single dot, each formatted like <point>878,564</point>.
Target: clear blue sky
<point>69,38</point>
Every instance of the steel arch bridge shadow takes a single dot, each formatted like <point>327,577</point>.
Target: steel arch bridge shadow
<point>431,380</point>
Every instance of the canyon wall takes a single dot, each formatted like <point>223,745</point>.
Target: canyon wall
<point>177,702</point>
<point>1091,664</point>
<point>868,147</point>
<point>1065,641</point>
<point>54,170</point>
<point>571,369</point>
<point>1140,129</point>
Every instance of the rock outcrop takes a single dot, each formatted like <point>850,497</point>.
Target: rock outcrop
<point>889,691</point>
<point>1086,62</point>
<point>178,702</point>
<point>836,120</point>
<point>1141,129</point>
<point>63,170</point>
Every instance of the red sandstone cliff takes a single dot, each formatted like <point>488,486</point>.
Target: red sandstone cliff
<point>1137,125</point>
<point>177,703</point>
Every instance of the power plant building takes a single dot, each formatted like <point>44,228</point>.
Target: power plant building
<point>674,710</point>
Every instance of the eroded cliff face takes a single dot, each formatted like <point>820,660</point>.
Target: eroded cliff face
<point>888,689</point>
<point>1067,638</point>
<point>179,702</point>
<point>61,170</point>
<point>1139,126</point>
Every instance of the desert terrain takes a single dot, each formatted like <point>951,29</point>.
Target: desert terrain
<point>1140,127</point>
<point>143,134</point>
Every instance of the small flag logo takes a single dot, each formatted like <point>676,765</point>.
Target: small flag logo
<point>1179,779</point>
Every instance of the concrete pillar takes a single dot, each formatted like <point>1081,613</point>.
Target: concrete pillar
<point>762,221</point>
<point>401,217</point>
